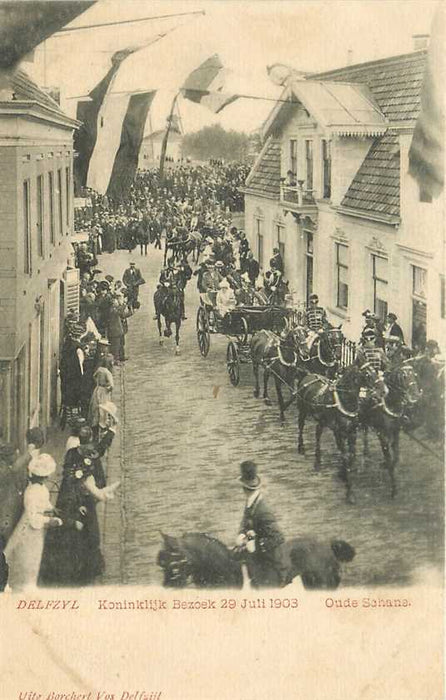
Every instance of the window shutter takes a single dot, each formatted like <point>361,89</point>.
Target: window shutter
<point>71,290</point>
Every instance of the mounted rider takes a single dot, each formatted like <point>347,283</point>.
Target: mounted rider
<point>260,536</point>
<point>316,321</point>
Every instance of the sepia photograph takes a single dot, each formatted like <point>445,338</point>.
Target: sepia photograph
<point>222,348</point>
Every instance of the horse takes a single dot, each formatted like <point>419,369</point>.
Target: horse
<point>168,303</point>
<point>334,405</point>
<point>208,563</point>
<point>192,245</point>
<point>385,413</point>
<point>280,357</point>
<point>277,355</point>
<point>325,353</point>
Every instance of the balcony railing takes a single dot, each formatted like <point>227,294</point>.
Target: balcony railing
<point>297,195</point>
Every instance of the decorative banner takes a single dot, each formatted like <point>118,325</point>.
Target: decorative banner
<point>205,84</point>
<point>126,161</point>
<point>87,113</point>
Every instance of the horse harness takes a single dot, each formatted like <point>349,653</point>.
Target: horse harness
<point>327,385</point>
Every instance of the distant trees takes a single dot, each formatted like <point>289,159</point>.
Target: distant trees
<point>215,142</point>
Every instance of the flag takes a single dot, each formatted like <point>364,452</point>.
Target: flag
<point>87,113</point>
<point>206,83</point>
<point>24,25</point>
<point>426,153</point>
<point>126,160</point>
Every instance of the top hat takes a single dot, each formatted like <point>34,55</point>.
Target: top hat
<point>249,478</point>
<point>42,465</point>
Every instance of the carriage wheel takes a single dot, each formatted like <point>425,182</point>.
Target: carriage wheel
<point>203,335</point>
<point>243,331</point>
<point>233,363</point>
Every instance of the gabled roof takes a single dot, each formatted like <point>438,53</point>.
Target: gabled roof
<point>264,178</point>
<point>343,108</point>
<point>394,82</point>
<point>376,186</point>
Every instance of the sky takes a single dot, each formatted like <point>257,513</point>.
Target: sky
<point>248,35</point>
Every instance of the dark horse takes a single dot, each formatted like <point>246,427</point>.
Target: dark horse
<point>168,303</point>
<point>386,414</point>
<point>334,405</point>
<point>208,563</point>
<point>279,356</point>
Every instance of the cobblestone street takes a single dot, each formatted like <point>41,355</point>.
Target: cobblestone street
<point>185,429</point>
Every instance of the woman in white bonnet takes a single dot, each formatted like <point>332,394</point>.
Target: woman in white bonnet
<point>23,551</point>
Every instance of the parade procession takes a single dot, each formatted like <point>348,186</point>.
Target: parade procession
<point>221,370</point>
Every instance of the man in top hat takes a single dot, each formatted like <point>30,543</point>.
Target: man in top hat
<point>251,267</point>
<point>276,262</point>
<point>260,534</point>
<point>133,279</point>
<point>393,329</point>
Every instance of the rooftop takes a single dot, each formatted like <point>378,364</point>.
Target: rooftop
<point>264,178</point>
<point>382,94</point>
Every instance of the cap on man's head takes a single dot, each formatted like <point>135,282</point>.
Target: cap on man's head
<point>276,250</point>
<point>369,333</point>
<point>367,313</point>
<point>132,263</point>
<point>392,316</point>
<point>314,297</point>
<point>219,263</point>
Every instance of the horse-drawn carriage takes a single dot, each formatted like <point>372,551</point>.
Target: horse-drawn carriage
<point>238,326</point>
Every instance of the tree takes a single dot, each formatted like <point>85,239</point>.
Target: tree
<point>215,142</point>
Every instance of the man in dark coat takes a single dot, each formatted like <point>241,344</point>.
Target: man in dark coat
<point>276,262</point>
<point>260,535</point>
<point>251,266</point>
<point>393,329</point>
<point>133,279</point>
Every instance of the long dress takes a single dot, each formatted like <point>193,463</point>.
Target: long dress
<point>73,557</point>
<point>101,393</point>
<point>24,549</point>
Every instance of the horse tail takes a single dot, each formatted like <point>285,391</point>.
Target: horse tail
<point>342,550</point>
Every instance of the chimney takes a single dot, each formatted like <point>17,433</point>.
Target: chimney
<point>420,41</point>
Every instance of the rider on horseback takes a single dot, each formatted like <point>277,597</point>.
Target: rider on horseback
<point>316,321</point>
<point>260,536</point>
